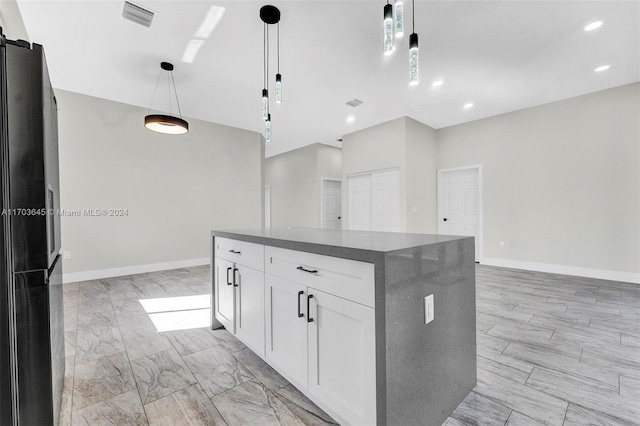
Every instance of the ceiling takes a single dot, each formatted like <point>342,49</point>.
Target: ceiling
<point>499,55</point>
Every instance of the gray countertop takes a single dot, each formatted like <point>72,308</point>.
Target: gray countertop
<point>380,242</point>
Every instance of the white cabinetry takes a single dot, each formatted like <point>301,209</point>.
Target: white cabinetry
<point>320,331</point>
<point>239,290</point>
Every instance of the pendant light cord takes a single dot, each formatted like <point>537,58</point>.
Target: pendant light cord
<point>278,47</point>
<point>176,92</point>
<point>267,75</point>
<point>264,56</point>
<point>413,14</point>
<point>154,92</point>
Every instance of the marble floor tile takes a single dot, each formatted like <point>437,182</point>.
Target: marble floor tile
<point>308,412</point>
<point>518,419</point>
<point>97,320</point>
<point>251,403</point>
<point>585,392</point>
<point>187,406</point>
<point>123,409</point>
<point>191,340</point>
<point>161,374</point>
<point>526,400</point>
<point>478,410</point>
<point>228,340</point>
<point>217,370</point>
<point>70,342</point>
<point>453,422</point>
<point>101,379</point>
<point>93,344</point>
<point>580,416</point>
<point>128,321</point>
<point>145,341</point>
<point>563,364</point>
<point>502,365</point>
<point>630,388</point>
<point>262,371</point>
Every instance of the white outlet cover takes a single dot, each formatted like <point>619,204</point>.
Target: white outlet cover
<point>429,311</point>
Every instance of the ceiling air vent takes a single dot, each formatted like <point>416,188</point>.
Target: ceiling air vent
<point>354,102</point>
<point>137,14</point>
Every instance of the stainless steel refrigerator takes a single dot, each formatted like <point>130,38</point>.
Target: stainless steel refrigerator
<point>31,308</point>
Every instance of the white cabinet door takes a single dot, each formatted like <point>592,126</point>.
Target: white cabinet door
<point>342,357</point>
<point>286,321</point>
<point>224,306</point>
<point>250,307</point>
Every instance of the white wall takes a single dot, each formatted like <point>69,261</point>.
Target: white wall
<point>561,183</point>
<point>11,21</point>
<point>375,148</point>
<point>176,188</point>
<point>295,180</point>
<point>404,144</point>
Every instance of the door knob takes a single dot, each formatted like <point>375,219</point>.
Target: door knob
<point>445,219</point>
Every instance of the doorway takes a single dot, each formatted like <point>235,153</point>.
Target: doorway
<point>460,204</point>
<point>330,204</point>
<point>374,201</point>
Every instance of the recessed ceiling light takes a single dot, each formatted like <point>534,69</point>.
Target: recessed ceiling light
<point>437,83</point>
<point>592,26</point>
<point>350,119</point>
<point>602,68</point>
<point>468,105</point>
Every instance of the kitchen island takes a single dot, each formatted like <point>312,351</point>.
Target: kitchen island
<point>374,327</point>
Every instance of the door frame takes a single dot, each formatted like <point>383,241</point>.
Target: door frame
<point>477,167</point>
<point>322,180</point>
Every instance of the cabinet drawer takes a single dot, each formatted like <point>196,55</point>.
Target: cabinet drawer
<point>345,278</point>
<point>240,252</point>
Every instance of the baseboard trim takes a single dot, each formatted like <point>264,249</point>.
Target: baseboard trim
<point>131,270</point>
<point>603,274</point>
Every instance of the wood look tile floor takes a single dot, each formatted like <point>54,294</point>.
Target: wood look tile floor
<point>552,350</point>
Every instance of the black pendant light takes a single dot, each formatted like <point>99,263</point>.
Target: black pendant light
<point>270,15</point>
<point>167,124</point>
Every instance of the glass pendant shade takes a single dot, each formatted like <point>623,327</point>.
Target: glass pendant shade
<point>265,104</point>
<point>166,124</point>
<point>414,77</point>
<point>398,14</point>
<point>388,30</point>
<point>267,129</point>
<point>278,88</point>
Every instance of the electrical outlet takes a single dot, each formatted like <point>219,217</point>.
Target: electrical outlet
<point>501,244</point>
<point>429,311</point>
<point>66,255</point>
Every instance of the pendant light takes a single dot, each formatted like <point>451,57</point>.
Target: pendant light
<point>414,76</point>
<point>167,124</point>
<point>269,15</point>
<point>388,29</point>
<point>398,15</point>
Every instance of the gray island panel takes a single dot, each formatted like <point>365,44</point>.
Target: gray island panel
<point>423,371</point>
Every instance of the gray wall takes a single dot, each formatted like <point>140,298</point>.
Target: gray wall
<point>176,188</point>
<point>295,180</point>
<point>561,180</point>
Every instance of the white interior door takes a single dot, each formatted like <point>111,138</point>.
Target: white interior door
<point>385,208</point>
<point>459,204</point>
<point>267,206</point>
<point>331,211</point>
<point>374,201</point>
<point>360,202</point>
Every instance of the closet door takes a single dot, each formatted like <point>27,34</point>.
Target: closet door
<point>374,201</point>
<point>360,202</point>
